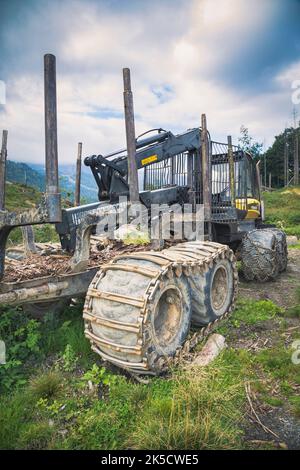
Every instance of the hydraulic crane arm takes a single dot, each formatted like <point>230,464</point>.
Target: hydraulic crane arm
<point>111,175</point>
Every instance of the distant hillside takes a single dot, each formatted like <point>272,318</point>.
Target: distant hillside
<point>67,175</point>
<point>23,174</point>
<point>19,197</point>
<point>34,175</point>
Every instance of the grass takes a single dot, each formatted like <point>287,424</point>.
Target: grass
<point>192,409</point>
<point>250,312</point>
<point>281,374</point>
<point>203,411</point>
<point>295,247</point>
<point>67,330</point>
<point>294,311</point>
<point>282,208</point>
<point>16,412</point>
<point>272,367</point>
<point>23,198</point>
<point>47,385</point>
<point>195,408</point>
<point>37,436</point>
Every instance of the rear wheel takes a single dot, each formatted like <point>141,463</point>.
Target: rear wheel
<point>213,292</point>
<point>139,306</point>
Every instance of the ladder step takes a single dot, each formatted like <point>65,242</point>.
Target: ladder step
<point>132,327</point>
<point>131,268</point>
<point>123,299</point>
<point>116,347</point>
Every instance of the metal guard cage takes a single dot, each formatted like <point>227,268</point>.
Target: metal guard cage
<point>184,169</point>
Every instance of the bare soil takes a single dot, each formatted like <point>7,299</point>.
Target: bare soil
<point>282,290</point>
<point>264,335</point>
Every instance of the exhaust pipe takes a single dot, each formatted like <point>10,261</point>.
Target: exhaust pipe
<point>53,197</point>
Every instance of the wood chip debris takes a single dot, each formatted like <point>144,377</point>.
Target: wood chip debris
<point>42,264</point>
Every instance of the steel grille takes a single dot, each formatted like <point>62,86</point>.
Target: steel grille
<point>222,208</point>
<point>184,169</point>
<point>173,171</point>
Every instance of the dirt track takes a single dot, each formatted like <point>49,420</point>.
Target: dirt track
<point>282,290</point>
<point>268,334</point>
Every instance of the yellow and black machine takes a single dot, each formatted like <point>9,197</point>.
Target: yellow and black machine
<point>139,307</point>
<point>191,168</point>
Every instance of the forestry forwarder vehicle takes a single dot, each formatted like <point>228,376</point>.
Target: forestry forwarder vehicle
<point>145,310</point>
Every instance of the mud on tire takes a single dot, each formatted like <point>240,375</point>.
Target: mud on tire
<point>139,306</point>
<point>282,249</point>
<point>213,292</point>
<point>262,255</point>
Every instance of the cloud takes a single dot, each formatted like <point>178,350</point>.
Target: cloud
<point>186,58</point>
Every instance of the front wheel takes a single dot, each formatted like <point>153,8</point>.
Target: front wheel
<point>213,292</point>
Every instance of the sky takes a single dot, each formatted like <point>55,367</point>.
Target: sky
<point>235,60</point>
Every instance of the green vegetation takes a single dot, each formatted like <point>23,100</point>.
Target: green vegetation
<point>294,311</point>
<point>23,174</point>
<point>29,341</point>
<point>282,208</point>
<point>55,396</point>
<point>25,197</point>
<point>250,312</point>
<point>254,311</point>
<point>20,197</point>
<point>282,375</point>
<point>274,155</point>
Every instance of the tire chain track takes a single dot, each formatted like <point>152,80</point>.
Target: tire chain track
<point>180,260</point>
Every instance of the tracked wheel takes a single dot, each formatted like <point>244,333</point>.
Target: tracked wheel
<point>213,289</point>
<point>139,307</point>
<point>263,254</point>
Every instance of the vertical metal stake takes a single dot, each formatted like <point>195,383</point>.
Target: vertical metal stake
<point>130,138</point>
<point>231,171</point>
<point>52,189</point>
<point>206,180</point>
<point>3,156</point>
<point>78,174</point>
